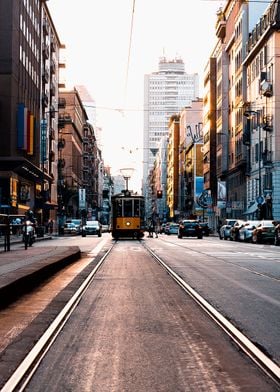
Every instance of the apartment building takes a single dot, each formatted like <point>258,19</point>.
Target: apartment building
<point>27,65</point>
<point>262,133</point>
<point>191,139</point>
<point>74,150</point>
<point>227,148</point>
<point>172,182</point>
<point>210,152</point>
<point>50,104</point>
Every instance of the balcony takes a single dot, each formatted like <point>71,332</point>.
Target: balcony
<point>45,100</point>
<point>61,103</point>
<point>268,123</point>
<point>45,27</point>
<point>266,88</point>
<point>267,158</point>
<point>52,89</point>
<point>53,46</point>
<point>61,144</point>
<point>221,25</point>
<point>45,51</point>
<point>64,119</point>
<point>45,76</point>
<point>53,67</point>
<point>52,134</point>
<point>52,111</point>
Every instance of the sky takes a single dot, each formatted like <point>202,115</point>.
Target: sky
<point>103,55</point>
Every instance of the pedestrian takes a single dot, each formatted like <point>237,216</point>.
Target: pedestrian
<point>151,228</point>
<point>219,225</point>
<point>157,228</point>
<point>51,226</point>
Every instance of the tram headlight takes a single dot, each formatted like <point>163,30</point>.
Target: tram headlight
<point>128,224</point>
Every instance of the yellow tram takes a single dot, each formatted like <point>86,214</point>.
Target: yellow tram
<point>128,215</point>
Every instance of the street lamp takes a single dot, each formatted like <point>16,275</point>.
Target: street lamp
<point>127,173</point>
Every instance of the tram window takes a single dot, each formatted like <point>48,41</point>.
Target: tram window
<point>136,208</point>
<point>127,208</point>
<point>142,208</point>
<point>119,208</point>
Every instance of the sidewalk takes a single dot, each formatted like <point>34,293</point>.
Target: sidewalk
<point>21,270</point>
<point>17,239</point>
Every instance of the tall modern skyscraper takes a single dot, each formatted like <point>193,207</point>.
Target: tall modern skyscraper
<point>166,92</point>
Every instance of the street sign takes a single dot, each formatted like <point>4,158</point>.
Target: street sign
<point>260,200</point>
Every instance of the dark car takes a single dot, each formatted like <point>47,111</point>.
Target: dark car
<point>205,228</point>
<point>162,228</point>
<point>264,232</point>
<point>92,228</point>
<point>190,228</point>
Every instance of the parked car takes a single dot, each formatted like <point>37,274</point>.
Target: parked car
<point>246,231</point>
<point>166,227</point>
<point>205,228</point>
<point>264,232</point>
<point>234,231</point>
<point>224,232</point>
<point>105,229</point>
<point>92,227</point>
<point>162,228</point>
<point>190,228</point>
<point>70,228</point>
<point>171,228</point>
<point>77,223</point>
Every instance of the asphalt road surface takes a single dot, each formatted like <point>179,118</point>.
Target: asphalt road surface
<point>136,330</point>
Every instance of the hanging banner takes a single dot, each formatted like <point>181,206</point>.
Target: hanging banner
<point>43,140</point>
<point>82,199</point>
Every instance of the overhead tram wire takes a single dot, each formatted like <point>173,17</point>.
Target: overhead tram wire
<point>129,52</point>
<point>249,1</point>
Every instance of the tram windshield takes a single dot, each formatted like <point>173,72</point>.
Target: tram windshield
<point>127,208</point>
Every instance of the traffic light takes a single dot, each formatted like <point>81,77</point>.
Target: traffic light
<point>159,194</point>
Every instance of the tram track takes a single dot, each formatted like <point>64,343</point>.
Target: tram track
<point>26,369</point>
<point>269,367</point>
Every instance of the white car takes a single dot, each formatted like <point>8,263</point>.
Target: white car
<point>246,232</point>
<point>92,227</point>
<point>70,228</point>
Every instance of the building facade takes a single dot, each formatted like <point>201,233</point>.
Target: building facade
<point>262,116</point>
<point>29,60</point>
<point>166,92</point>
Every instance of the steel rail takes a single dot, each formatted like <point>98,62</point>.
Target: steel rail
<point>262,361</point>
<point>24,372</point>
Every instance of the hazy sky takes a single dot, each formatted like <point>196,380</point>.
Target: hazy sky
<point>97,37</point>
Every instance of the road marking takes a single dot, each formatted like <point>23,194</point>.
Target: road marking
<point>97,249</point>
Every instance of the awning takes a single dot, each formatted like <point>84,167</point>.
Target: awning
<point>24,167</point>
<point>253,208</point>
<point>50,205</point>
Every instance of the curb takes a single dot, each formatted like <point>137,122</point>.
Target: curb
<point>25,279</point>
